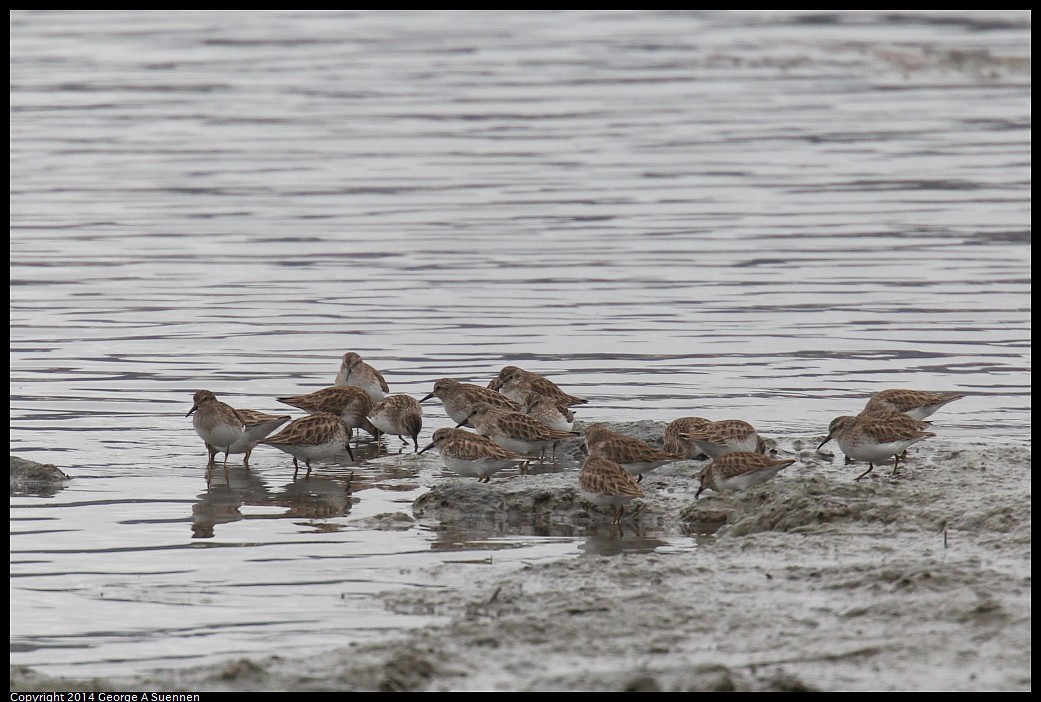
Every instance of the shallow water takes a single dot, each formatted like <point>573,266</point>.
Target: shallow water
<point>758,215</point>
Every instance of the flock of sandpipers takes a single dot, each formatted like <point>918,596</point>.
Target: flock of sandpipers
<point>521,414</point>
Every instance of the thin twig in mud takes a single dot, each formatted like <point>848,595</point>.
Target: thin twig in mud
<point>865,651</point>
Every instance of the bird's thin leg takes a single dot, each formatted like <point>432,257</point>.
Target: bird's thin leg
<point>871,467</point>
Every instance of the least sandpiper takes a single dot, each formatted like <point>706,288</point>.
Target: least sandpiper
<point>551,411</point>
<point>515,383</point>
<point>400,415</point>
<point>459,399</point>
<point>672,442</point>
<point>357,373</point>
<point>345,401</point>
<point>605,483</point>
<point>315,436</point>
<point>726,436</point>
<point>875,438</point>
<point>883,411</point>
<point>514,431</point>
<point>914,403</point>
<point>740,470</point>
<point>472,455</point>
<point>216,423</point>
<point>259,425</point>
<point>636,456</point>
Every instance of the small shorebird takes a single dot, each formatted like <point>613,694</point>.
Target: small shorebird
<point>553,412</point>
<point>876,438</point>
<point>472,455</point>
<point>459,399</point>
<point>216,423</point>
<point>607,484</point>
<point>726,436</point>
<point>740,470</point>
<point>350,403</point>
<point>883,410</point>
<point>515,383</point>
<point>514,431</point>
<point>357,373</point>
<point>914,403</point>
<point>636,456</point>
<point>400,415</point>
<point>315,436</point>
<point>672,442</point>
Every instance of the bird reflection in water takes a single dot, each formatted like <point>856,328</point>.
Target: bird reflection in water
<point>314,499</point>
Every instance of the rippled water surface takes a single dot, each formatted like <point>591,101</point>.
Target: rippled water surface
<point>758,215</point>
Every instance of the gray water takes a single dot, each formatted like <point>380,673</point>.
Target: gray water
<point>765,216</point>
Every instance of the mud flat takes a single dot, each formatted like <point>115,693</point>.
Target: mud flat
<point>919,581</point>
<point>32,478</point>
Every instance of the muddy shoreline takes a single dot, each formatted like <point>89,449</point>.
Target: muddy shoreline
<point>810,582</point>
